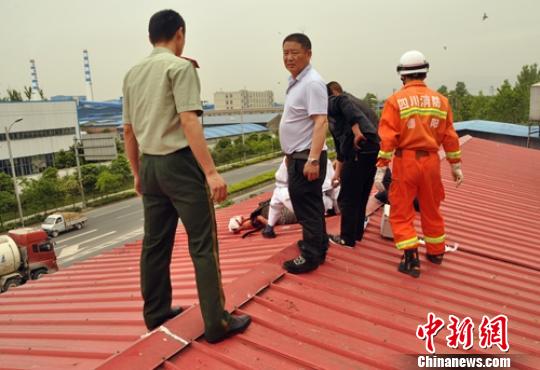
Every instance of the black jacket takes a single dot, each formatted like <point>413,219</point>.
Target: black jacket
<point>343,112</point>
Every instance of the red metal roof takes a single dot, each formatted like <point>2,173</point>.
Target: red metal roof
<point>355,311</point>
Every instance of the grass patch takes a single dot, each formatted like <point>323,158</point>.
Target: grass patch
<point>249,183</point>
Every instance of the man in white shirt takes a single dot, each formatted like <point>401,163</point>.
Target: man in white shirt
<point>281,210</point>
<point>302,134</point>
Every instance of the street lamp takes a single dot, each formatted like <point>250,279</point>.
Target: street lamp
<point>15,185</point>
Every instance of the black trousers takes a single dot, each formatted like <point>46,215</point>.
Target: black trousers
<point>356,182</point>
<point>308,206</point>
<point>174,186</point>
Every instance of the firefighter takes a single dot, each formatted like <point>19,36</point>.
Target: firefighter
<point>414,123</point>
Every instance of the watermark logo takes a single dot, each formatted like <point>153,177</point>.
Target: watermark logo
<point>491,332</point>
<point>429,331</point>
<point>494,332</point>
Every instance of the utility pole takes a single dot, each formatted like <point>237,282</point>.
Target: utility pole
<point>76,148</point>
<point>15,184</point>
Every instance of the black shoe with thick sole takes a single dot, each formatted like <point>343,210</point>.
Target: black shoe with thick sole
<point>299,265</point>
<point>410,263</point>
<point>268,232</point>
<point>237,325</point>
<point>323,257</point>
<point>173,312</point>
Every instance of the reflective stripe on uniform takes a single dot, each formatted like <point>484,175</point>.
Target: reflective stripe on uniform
<point>385,155</point>
<point>404,244</point>
<point>406,113</point>
<point>435,240</point>
<point>453,155</point>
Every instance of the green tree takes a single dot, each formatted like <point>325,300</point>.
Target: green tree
<point>119,146</point>
<point>65,159</point>
<point>70,187</point>
<point>108,182</point>
<point>481,105</point>
<point>90,173</point>
<point>6,183</point>
<point>371,100</point>
<point>28,92</point>
<point>14,95</point>
<point>529,75</point>
<point>7,196</point>
<point>461,102</point>
<point>120,166</point>
<point>505,105</point>
<point>223,143</point>
<point>443,90</point>
<point>44,193</point>
<point>7,204</point>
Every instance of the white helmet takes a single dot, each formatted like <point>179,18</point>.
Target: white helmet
<point>412,62</point>
<point>235,223</point>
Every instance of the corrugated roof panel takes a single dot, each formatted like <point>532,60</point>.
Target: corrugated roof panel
<point>355,311</point>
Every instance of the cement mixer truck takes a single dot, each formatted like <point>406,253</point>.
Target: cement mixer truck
<point>25,254</point>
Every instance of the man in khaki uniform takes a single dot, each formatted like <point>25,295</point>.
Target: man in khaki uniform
<point>176,176</point>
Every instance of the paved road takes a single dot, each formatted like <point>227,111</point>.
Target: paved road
<point>119,223</point>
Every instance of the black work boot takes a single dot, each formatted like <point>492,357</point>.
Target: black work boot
<point>300,265</point>
<point>410,263</point>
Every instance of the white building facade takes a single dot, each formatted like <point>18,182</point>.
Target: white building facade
<point>46,128</point>
<point>243,99</point>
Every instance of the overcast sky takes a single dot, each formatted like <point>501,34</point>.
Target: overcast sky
<point>238,42</point>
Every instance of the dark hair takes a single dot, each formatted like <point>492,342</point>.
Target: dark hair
<point>416,76</point>
<point>299,38</point>
<point>164,24</point>
<point>333,85</point>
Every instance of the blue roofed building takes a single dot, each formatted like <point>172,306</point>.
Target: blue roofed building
<point>520,135</point>
<point>98,117</point>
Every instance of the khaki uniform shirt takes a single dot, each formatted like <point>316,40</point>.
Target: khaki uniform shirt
<point>155,91</point>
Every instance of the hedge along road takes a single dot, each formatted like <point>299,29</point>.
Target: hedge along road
<point>119,223</point>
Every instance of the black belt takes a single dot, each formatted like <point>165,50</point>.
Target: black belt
<point>303,155</point>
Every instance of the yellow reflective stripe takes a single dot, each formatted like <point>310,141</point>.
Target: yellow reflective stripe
<point>453,155</point>
<point>435,240</point>
<point>406,113</point>
<point>385,155</point>
<point>407,243</point>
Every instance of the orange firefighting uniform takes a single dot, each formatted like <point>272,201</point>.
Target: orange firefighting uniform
<point>415,122</point>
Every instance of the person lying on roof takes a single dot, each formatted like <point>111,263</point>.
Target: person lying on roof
<point>278,210</point>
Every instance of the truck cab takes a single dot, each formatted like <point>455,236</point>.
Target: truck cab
<point>25,254</point>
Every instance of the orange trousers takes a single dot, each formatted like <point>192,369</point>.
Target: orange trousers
<point>417,174</point>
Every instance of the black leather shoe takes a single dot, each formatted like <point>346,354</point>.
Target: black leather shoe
<point>299,265</point>
<point>238,324</point>
<point>173,312</point>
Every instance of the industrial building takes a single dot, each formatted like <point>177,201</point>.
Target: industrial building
<point>243,99</point>
<point>46,127</point>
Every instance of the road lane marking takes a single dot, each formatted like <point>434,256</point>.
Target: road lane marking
<point>72,250</point>
<point>98,237</point>
<point>79,254</point>
<point>97,212</point>
<point>129,214</point>
<point>76,236</point>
